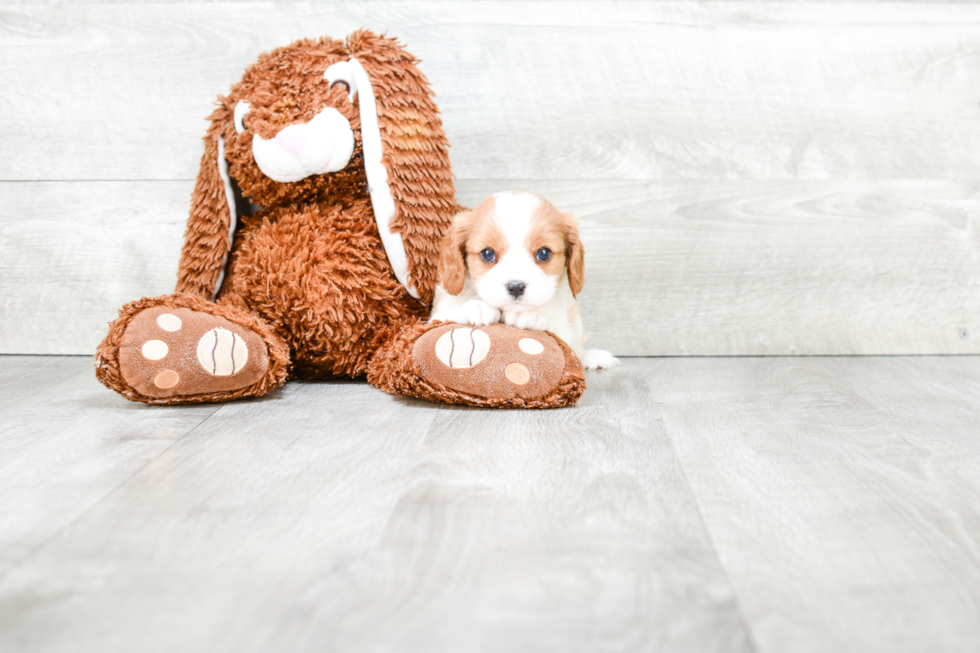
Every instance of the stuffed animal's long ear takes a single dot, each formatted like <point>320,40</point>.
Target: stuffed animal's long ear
<point>452,262</point>
<point>414,157</point>
<point>211,224</point>
<point>574,254</point>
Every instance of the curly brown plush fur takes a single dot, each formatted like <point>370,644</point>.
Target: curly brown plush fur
<point>302,263</point>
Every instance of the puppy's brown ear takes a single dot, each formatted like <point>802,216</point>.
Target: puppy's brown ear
<point>207,240</point>
<point>574,254</point>
<point>452,262</point>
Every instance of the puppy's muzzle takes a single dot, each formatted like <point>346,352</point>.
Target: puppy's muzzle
<point>515,288</point>
<point>324,144</point>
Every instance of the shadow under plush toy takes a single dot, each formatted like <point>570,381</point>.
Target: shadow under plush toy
<point>311,249</point>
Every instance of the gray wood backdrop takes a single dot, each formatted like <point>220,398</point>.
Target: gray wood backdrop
<point>751,178</point>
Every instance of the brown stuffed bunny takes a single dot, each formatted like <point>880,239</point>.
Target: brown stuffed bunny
<point>311,249</point>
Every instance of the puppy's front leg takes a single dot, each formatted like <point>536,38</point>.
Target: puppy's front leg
<point>597,359</point>
<point>475,312</point>
<point>530,320</point>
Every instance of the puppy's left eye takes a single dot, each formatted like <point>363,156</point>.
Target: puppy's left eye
<point>488,255</point>
<point>543,255</point>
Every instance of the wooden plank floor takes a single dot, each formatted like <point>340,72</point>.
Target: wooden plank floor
<point>711,504</point>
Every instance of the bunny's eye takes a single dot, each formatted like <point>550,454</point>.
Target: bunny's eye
<point>342,73</point>
<point>488,255</point>
<point>240,110</point>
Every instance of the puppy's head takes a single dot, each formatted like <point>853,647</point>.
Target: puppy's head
<point>516,247</point>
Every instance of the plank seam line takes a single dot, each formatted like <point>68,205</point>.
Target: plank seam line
<point>54,536</point>
<point>96,181</point>
<point>746,626</point>
<point>921,451</point>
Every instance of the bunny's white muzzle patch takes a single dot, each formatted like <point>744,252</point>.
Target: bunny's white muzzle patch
<point>324,144</point>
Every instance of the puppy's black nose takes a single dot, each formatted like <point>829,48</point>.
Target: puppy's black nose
<point>516,288</point>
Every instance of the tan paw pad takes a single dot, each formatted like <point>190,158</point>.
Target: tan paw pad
<point>166,379</point>
<point>222,352</point>
<point>462,347</point>
<point>517,373</point>
<point>530,346</point>
<point>154,350</point>
<point>169,322</point>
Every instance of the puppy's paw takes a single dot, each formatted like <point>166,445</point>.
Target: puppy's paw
<point>474,312</point>
<point>529,320</point>
<point>598,359</point>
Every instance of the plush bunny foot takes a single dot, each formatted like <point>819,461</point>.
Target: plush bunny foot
<point>181,349</point>
<point>492,365</point>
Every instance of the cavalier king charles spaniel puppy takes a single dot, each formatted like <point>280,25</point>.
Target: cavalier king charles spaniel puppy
<point>516,258</point>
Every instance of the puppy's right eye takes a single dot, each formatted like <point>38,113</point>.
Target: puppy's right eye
<point>488,255</point>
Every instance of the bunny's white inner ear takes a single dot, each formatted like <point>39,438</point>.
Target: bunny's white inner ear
<point>232,212</point>
<point>377,177</point>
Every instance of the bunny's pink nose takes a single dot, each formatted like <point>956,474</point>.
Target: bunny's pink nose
<point>291,139</point>
<point>323,145</point>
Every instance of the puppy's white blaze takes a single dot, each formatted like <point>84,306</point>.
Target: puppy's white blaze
<point>513,212</point>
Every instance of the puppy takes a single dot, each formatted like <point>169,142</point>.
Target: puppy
<point>516,258</point>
